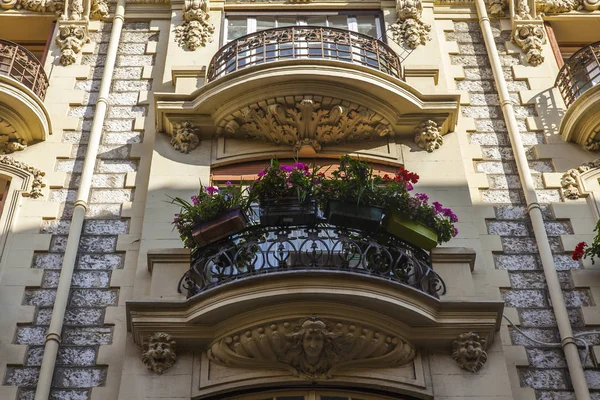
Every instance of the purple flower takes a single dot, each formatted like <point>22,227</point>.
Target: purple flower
<point>422,196</point>
<point>454,232</point>
<point>437,207</point>
<point>261,174</point>
<point>299,165</point>
<point>286,168</point>
<point>409,186</point>
<point>448,213</point>
<point>195,200</point>
<point>228,183</point>
<point>212,190</point>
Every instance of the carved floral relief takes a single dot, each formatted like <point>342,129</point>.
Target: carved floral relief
<point>37,185</point>
<point>196,30</point>
<point>306,123</point>
<point>312,348</point>
<point>409,29</point>
<point>570,182</point>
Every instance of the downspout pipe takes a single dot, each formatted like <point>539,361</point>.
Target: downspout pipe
<point>535,213</point>
<point>53,336</point>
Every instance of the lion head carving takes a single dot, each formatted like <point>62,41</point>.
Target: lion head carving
<point>159,352</point>
<point>468,351</point>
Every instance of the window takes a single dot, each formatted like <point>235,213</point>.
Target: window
<point>315,395</point>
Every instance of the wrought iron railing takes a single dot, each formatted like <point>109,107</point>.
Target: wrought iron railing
<point>267,250</point>
<point>18,63</point>
<point>304,42</point>
<point>580,73</point>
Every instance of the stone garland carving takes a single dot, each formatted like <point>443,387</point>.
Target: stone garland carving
<point>564,6</point>
<point>468,350</point>
<point>306,123</point>
<point>497,8</point>
<point>99,9</point>
<point>185,137</point>
<point>530,38</point>
<point>428,136</point>
<point>37,184</point>
<point>196,30</point>
<point>312,348</point>
<point>56,6</point>
<point>159,352</point>
<point>592,143</point>
<point>71,39</point>
<point>570,179</point>
<point>409,29</point>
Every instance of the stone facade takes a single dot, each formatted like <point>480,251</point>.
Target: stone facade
<point>128,251</point>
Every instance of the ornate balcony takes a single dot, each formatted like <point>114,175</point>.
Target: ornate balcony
<point>23,85</point>
<point>304,42</point>
<point>261,250</point>
<point>578,82</point>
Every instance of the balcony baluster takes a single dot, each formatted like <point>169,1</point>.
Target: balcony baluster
<point>19,64</point>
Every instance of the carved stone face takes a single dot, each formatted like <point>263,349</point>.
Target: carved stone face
<point>159,353</point>
<point>313,343</point>
<point>469,353</point>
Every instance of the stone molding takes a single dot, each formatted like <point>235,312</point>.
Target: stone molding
<point>409,28</point>
<point>36,185</point>
<point>312,348</point>
<point>185,137</point>
<point>468,350</point>
<point>196,31</point>
<point>159,352</point>
<point>530,38</point>
<point>71,38</point>
<point>572,187</point>
<point>306,123</point>
<point>428,136</point>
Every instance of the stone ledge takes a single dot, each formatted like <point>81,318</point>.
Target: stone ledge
<point>171,256</point>
<point>454,255</point>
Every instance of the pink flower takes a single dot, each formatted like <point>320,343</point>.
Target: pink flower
<point>286,168</point>
<point>228,183</point>
<point>454,232</point>
<point>579,251</point>
<point>212,190</point>
<point>195,200</point>
<point>261,174</point>
<point>437,207</point>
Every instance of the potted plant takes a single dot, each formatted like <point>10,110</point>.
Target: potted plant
<point>211,215</point>
<point>350,196</point>
<point>411,217</point>
<point>286,194</point>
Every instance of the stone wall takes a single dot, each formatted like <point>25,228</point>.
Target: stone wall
<point>546,373</point>
<point>84,329</point>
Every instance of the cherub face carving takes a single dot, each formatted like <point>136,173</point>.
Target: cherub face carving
<point>159,352</point>
<point>468,351</point>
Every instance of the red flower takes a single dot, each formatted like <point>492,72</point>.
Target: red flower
<point>579,251</point>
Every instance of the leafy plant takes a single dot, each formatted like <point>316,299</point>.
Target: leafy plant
<point>210,203</point>
<point>281,181</point>
<point>582,250</point>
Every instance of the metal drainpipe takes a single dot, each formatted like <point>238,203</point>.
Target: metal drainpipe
<point>535,213</point>
<point>53,337</point>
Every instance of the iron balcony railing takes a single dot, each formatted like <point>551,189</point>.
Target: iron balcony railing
<point>304,42</point>
<point>18,63</point>
<point>260,250</point>
<point>580,73</point>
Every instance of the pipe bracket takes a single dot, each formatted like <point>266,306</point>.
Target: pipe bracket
<point>533,205</point>
<point>568,340</point>
<point>81,203</point>
<point>53,337</point>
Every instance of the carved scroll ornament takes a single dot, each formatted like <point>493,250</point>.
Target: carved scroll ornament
<point>159,352</point>
<point>570,181</point>
<point>409,29</point>
<point>530,38</point>
<point>71,39</point>
<point>306,123</point>
<point>428,136</point>
<point>196,30</point>
<point>311,348</point>
<point>468,350</point>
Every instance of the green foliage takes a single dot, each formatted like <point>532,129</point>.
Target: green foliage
<point>281,181</point>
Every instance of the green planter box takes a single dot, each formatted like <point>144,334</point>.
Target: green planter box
<point>351,215</point>
<point>410,231</point>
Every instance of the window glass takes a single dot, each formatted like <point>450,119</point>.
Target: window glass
<point>366,25</point>
<point>265,22</point>
<point>287,21</point>
<point>236,27</point>
<point>316,20</point>
<point>338,21</point>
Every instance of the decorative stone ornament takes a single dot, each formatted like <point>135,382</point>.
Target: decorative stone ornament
<point>409,29</point>
<point>34,5</point>
<point>312,348</point>
<point>99,9</point>
<point>497,8</point>
<point>185,137</point>
<point>196,30</point>
<point>9,145</point>
<point>37,185</point>
<point>71,39</point>
<point>469,351</point>
<point>428,136</point>
<point>306,123</point>
<point>557,6</point>
<point>522,10</point>
<point>571,183</point>
<point>530,38</point>
<point>159,352</point>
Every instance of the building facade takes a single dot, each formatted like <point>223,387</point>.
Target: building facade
<point>109,109</point>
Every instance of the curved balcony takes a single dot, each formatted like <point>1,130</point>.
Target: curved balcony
<point>261,250</point>
<point>23,85</point>
<point>578,82</point>
<point>304,42</point>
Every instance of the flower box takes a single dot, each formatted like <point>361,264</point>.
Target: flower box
<point>351,215</point>
<point>229,223</point>
<point>288,211</point>
<point>413,232</point>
